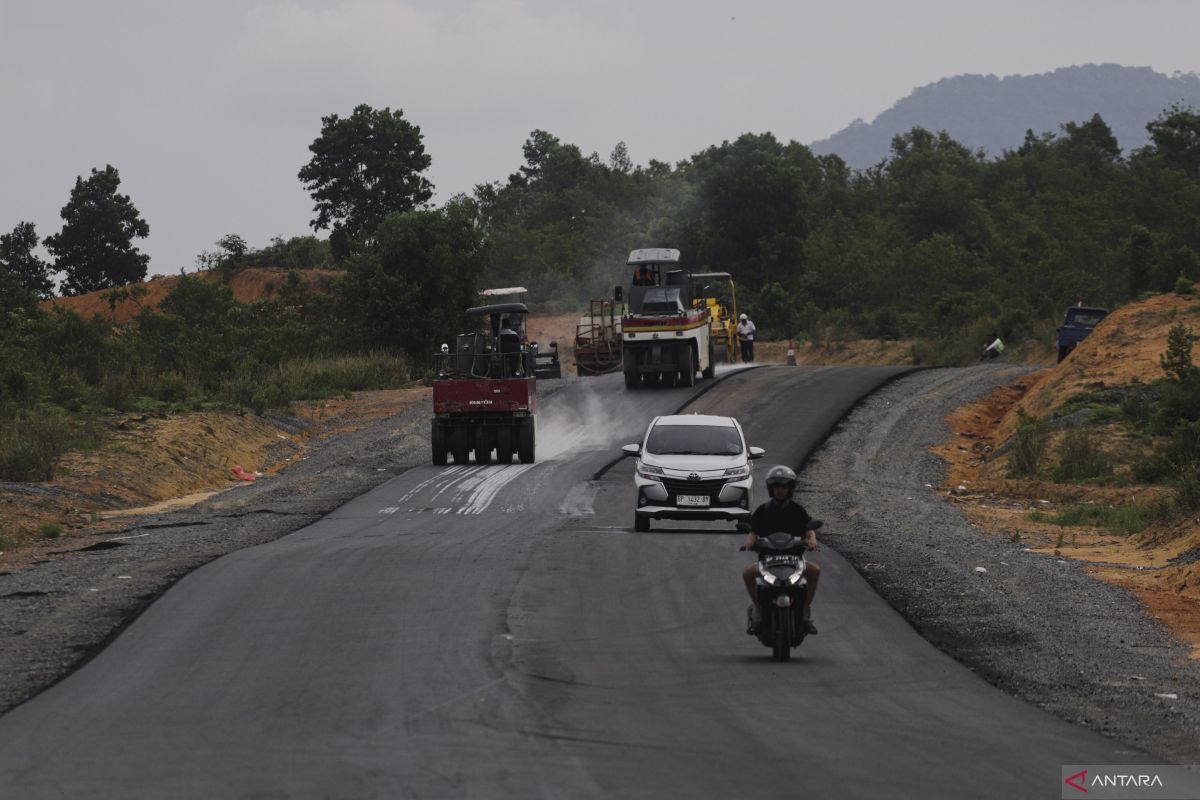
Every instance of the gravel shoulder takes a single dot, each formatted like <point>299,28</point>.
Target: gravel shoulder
<point>1034,625</point>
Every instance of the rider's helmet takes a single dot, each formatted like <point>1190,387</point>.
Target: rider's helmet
<point>781,476</point>
<point>743,317</point>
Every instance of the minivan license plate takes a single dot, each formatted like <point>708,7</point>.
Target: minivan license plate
<point>693,500</point>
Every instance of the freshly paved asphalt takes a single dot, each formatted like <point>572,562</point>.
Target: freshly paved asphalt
<point>501,632</point>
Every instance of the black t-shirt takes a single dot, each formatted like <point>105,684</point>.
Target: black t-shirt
<point>770,518</point>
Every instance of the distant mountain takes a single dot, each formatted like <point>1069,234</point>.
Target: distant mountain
<point>990,113</point>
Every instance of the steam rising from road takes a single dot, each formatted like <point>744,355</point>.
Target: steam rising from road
<point>599,414</point>
<point>593,414</point>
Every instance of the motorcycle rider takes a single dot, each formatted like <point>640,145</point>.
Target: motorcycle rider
<point>781,513</point>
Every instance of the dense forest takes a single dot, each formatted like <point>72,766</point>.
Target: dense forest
<point>935,244</point>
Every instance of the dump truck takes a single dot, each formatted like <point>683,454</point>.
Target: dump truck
<point>485,391</point>
<point>665,337</point>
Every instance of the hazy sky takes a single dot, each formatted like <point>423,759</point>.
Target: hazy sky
<point>208,108</point>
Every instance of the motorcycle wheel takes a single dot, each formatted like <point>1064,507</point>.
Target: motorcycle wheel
<point>782,643</point>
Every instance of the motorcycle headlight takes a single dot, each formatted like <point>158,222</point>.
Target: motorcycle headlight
<point>737,473</point>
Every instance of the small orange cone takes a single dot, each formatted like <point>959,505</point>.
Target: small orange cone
<point>791,353</point>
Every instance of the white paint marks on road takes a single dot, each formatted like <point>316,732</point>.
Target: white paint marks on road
<point>579,500</point>
<point>485,485</point>
<point>389,510</point>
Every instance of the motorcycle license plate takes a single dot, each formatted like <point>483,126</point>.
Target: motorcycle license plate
<point>693,500</point>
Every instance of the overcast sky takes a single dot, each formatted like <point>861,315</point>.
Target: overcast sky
<point>208,108</point>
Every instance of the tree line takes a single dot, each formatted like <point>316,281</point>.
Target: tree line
<point>935,243</point>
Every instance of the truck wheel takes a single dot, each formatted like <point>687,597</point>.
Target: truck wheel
<point>437,439</point>
<point>721,353</point>
<point>527,441</point>
<point>460,445</point>
<point>668,379</point>
<point>687,367</point>
<point>504,444</point>
<point>651,379</point>
<point>1063,352</point>
<point>711,369</point>
<point>483,447</point>
<point>633,378</point>
<point>641,524</point>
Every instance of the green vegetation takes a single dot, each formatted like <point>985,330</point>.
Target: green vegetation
<point>1029,446</point>
<point>1126,519</point>
<point>50,530</point>
<point>1081,458</point>
<point>95,246</point>
<point>935,244</point>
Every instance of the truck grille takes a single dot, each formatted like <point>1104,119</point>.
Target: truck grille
<point>709,487</point>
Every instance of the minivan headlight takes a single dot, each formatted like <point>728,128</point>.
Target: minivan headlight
<point>736,473</point>
<point>649,471</point>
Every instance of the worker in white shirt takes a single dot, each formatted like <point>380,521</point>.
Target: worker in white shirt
<point>745,332</point>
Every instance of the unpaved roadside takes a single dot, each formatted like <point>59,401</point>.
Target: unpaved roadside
<point>1035,625</point>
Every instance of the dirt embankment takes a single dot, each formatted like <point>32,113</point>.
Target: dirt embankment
<point>248,285</point>
<point>1161,564</point>
<point>149,463</point>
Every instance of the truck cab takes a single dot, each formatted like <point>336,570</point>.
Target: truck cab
<point>1078,323</point>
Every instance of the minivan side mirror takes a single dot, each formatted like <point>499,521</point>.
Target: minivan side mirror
<point>757,452</point>
<point>631,449</point>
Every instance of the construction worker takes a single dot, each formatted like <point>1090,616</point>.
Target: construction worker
<point>745,332</point>
<point>510,346</point>
<point>994,349</point>
<point>643,276</point>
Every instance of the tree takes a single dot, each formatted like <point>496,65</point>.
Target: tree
<point>619,161</point>
<point>409,288</point>
<point>18,260</point>
<point>363,168</point>
<point>1176,137</point>
<point>95,246</point>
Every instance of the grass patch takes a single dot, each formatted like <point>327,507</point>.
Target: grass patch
<point>1029,446</point>
<point>1125,519</point>
<point>31,445</point>
<point>1080,458</point>
<point>318,379</point>
<point>50,530</point>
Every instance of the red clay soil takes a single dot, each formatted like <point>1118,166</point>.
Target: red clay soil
<point>248,284</point>
<point>1125,348</point>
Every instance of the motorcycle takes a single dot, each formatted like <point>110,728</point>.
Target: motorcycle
<point>781,585</point>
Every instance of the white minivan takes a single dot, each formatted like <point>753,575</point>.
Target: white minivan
<point>692,466</point>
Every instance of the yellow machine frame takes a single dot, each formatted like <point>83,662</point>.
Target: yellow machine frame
<point>724,318</point>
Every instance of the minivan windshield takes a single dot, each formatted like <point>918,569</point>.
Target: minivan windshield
<point>694,440</point>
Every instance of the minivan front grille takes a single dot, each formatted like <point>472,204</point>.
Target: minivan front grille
<point>677,486</point>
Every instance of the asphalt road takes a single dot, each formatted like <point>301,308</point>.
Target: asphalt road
<point>499,631</point>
